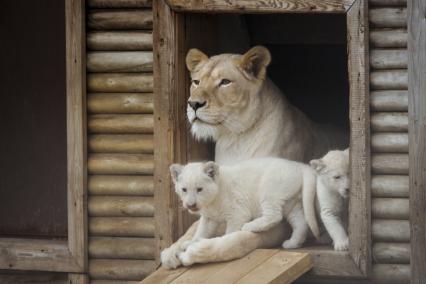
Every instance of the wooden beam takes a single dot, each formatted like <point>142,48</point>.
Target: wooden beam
<point>122,248</point>
<point>391,230</point>
<point>398,253</point>
<point>389,186</point>
<point>119,40</point>
<point>121,185</point>
<point>119,3</point>
<point>120,269</point>
<point>417,138</point>
<point>125,103</point>
<point>122,227</point>
<point>119,61</point>
<point>119,20</point>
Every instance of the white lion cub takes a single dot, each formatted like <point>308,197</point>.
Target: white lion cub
<point>253,195</point>
<point>332,192</point>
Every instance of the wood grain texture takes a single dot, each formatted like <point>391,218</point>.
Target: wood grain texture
<point>126,164</point>
<point>388,3</point>
<point>389,142</point>
<point>119,62</point>
<point>388,17</point>
<point>119,83</point>
<point>389,186</point>
<point>122,227</point>
<point>123,143</point>
<point>398,253</point>
<point>389,122</point>
<point>119,3</point>
<point>120,206</point>
<point>388,58</point>
<point>390,208</point>
<point>391,273</point>
<point>120,269</point>
<point>391,230</point>
<point>389,80</point>
<point>119,40</point>
<point>120,124</point>
<point>98,281</point>
<point>388,38</point>
<point>417,131</point>
<point>119,20</point>
<point>394,164</point>
<point>393,100</point>
<point>124,103</point>
<point>77,278</point>
<point>121,185</point>
<point>121,248</point>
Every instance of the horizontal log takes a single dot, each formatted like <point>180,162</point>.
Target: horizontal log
<point>127,248</point>
<point>391,274</point>
<point>120,20</point>
<point>390,208</point>
<point>122,227</point>
<point>122,143</point>
<point>388,3</point>
<point>113,282</point>
<point>389,122</point>
<point>119,40</point>
<point>389,100</point>
<point>119,83</point>
<point>388,58</point>
<point>120,206</point>
<point>387,38</point>
<point>120,269</point>
<point>398,253</point>
<point>389,80</point>
<point>111,103</point>
<point>393,164</point>
<point>389,142</point>
<point>119,61</point>
<point>389,186</point>
<point>120,185</point>
<point>116,164</point>
<point>388,17</point>
<point>119,3</point>
<point>121,124</point>
<point>390,230</point>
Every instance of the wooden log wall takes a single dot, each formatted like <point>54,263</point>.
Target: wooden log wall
<point>389,141</point>
<point>120,140</point>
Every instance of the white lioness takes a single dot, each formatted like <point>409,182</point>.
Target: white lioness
<point>332,191</point>
<point>253,196</point>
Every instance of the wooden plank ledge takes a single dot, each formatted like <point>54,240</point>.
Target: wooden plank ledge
<point>259,266</point>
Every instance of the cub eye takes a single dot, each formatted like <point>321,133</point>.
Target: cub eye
<point>184,189</point>
<point>337,177</point>
<point>199,189</point>
<point>224,82</point>
<point>196,82</point>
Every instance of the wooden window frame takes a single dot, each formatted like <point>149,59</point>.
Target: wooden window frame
<point>64,255</point>
<point>171,137</point>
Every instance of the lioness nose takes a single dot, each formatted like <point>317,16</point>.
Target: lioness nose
<point>196,105</point>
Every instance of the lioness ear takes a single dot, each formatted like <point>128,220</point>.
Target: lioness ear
<point>256,60</point>
<point>211,169</point>
<point>175,171</point>
<point>317,165</point>
<point>194,57</point>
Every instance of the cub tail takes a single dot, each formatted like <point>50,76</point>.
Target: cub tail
<point>308,199</point>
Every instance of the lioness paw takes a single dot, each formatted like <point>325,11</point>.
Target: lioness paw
<point>341,245</point>
<point>185,258</point>
<point>169,258</point>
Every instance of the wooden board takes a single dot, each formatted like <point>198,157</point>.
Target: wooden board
<point>260,266</point>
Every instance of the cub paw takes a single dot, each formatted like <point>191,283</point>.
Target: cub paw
<point>291,244</point>
<point>251,227</point>
<point>186,244</point>
<point>169,258</point>
<point>341,245</point>
<point>185,258</point>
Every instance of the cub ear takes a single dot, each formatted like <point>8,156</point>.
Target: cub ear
<point>175,171</point>
<point>317,165</point>
<point>194,57</point>
<point>256,60</point>
<point>211,169</point>
<point>346,151</point>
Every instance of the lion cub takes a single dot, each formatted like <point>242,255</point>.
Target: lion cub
<point>332,192</point>
<point>253,195</point>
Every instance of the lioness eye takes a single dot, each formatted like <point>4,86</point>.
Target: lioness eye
<point>224,82</point>
<point>199,189</point>
<point>184,189</point>
<point>196,82</point>
<point>337,177</point>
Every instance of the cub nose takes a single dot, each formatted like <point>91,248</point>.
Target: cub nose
<point>192,206</point>
<point>196,105</point>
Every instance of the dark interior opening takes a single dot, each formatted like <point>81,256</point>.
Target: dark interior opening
<point>33,149</point>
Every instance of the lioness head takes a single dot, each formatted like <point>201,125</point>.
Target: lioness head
<point>225,91</point>
<point>195,184</point>
<point>333,170</point>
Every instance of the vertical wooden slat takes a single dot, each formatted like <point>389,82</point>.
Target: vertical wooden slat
<point>417,136</point>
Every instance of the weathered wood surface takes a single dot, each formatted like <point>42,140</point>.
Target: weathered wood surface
<point>113,282</point>
<point>388,17</point>
<point>78,278</point>
<point>391,230</point>
<point>120,269</point>
<point>119,62</point>
<point>387,3</point>
<point>119,20</point>
<point>120,206</point>
<point>389,142</point>
<point>391,273</point>
<point>126,164</point>
<point>389,186</point>
<point>122,227</point>
<point>389,122</point>
<point>394,164</point>
<point>398,253</point>
<point>119,3</point>
<point>385,38</point>
<point>393,100</point>
<point>112,103</point>
<point>122,248</point>
<point>121,124</point>
<point>119,40</point>
<point>388,58</point>
<point>121,185</point>
<point>119,83</point>
<point>390,208</point>
<point>389,80</point>
<point>123,143</point>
